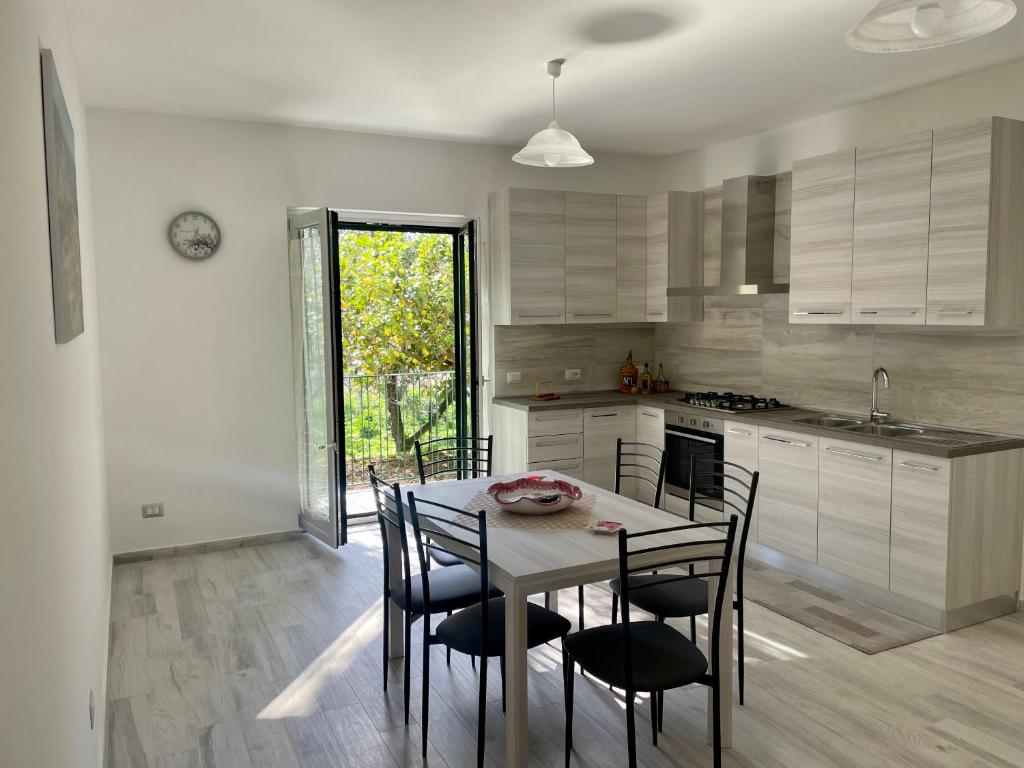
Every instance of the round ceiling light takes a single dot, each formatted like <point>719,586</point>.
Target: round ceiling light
<point>553,147</point>
<point>913,25</point>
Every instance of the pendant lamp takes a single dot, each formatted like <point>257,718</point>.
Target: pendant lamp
<point>915,25</point>
<point>553,147</point>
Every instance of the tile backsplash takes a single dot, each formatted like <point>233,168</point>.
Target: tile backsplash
<point>546,351</point>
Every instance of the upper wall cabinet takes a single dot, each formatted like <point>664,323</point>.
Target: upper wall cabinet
<point>674,255</point>
<point>821,254</point>
<point>631,258</point>
<point>591,244</point>
<point>890,230</point>
<point>975,269</point>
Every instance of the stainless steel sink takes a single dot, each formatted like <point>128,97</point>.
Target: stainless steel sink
<point>886,430</point>
<point>829,420</point>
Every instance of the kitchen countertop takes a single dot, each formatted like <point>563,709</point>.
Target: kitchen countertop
<point>957,442</point>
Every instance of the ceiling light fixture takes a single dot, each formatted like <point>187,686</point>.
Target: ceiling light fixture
<point>915,25</point>
<point>553,147</point>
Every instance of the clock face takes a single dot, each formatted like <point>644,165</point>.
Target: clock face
<point>194,235</point>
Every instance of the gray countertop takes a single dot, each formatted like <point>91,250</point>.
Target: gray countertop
<point>959,442</point>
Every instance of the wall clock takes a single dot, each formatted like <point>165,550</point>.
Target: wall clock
<point>194,235</point>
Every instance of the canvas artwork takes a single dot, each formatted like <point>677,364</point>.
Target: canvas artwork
<point>62,201</point>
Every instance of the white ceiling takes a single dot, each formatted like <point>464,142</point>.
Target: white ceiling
<point>704,70</point>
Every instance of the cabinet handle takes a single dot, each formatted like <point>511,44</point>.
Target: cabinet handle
<point>776,439</point>
<point>854,454</point>
<point>650,413</point>
<point>603,415</point>
<point>593,314</point>
<point>555,417</point>
<point>537,314</point>
<point>814,312</point>
<point>889,312</point>
<point>553,443</point>
<point>958,312</point>
<point>744,432</point>
<point>656,314</point>
<point>919,467</point>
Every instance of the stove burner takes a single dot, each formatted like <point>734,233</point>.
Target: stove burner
<point>729,401</point>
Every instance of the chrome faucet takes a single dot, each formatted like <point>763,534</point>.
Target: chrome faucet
<point>880,375</point>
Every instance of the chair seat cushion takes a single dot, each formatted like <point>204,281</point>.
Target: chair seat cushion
<point>444,558</point>
<point>663,658</point>
<point>463,632</point>
<point>665,596</point>
<point>451,588</point>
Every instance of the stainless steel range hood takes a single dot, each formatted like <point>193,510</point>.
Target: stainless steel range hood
<point>748,241</point>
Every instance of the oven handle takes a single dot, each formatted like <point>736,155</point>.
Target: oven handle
<point>690,436</point>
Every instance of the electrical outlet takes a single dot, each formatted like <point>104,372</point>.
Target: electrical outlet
<point>92,710</point>
<point>514,377</point>
<point>153,510</point>
<point>573,374</point>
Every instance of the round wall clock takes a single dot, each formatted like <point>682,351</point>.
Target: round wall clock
<point>194,235</point>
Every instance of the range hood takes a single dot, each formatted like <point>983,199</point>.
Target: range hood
<point>748,241</point>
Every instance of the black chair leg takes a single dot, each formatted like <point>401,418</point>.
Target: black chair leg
<point>579,598</point>
<point>472,662</point>
<point>739,647</point>
<point>502,663</point>
<point>631,728</point>
<point>387,646</point>
<point>425,717</point>
<point>481,726</point>
<point>661,711</point>
<point>693,629</point>
<point>448,650</point>
<point>615,608</point>
<point>408,662</point>
<point>654,717</point>
<point>716,703</point>
<point>568,679</point>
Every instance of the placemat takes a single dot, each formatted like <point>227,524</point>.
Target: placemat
<point>576,516</point>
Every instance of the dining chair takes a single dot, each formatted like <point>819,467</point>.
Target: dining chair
<point>477,630</point>
<point>453,457</point>
<point>644,463</point>
<point>652,656</point>
<point>421,596</point>
<point>734,488</point>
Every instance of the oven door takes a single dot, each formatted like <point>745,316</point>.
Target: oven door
<point>681,443</point>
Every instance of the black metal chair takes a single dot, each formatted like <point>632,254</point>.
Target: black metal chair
<point>453,457</point>
<point>735,488</point>
<point>477,630</point>
<point>651,656</point>
<point>431,592</point>
<point>644,463</point>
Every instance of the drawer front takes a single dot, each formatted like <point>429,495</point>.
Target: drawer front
<point>602,427</point>
<point>920,527</point>
<point>554,448</point>
<point>567,422</point>
<point>571,467</point>
<point>788,506</point>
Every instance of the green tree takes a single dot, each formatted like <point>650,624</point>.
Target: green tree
<point>397,295</point>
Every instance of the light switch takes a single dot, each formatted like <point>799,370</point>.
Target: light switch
<point>573,374</point>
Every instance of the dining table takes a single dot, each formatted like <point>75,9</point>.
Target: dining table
<point>530,555</point>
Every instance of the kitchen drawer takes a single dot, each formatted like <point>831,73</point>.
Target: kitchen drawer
<point>571,467</point>
<point>554,448</point>
<point>556,422</point>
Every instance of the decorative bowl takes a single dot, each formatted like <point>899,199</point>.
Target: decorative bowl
<point>535,495</point>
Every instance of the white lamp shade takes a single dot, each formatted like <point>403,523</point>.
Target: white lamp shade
<point>891,27</point>
<point>553,148</point>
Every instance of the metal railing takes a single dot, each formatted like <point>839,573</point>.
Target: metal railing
<point>385,414</point>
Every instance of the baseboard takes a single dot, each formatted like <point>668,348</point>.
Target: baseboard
<point>206,546</point>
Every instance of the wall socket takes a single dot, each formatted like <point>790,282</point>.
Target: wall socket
<point>573,374</point>
<point>153,510</point>
<point>514,377</point>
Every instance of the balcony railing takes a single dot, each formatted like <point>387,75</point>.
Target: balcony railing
<point>384,416</point>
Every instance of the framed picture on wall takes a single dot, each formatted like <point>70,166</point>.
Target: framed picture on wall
<point>62,204</point>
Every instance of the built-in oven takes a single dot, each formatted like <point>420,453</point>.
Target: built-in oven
<point>687,434</point>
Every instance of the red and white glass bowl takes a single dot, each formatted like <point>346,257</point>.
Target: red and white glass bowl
<point>535,495</point>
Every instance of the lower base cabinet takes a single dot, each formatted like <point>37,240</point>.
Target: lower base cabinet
<point>788,508</point>
<point>920,527</point>
<point>602,427</point>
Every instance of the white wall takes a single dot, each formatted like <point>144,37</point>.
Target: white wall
<point>197,357</point>
<point>995,91</point>
<point>54,552</point>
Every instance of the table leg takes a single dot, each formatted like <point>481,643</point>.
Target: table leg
<point>396,625</point>
<point>517,727</point>
<point>551,601</point>
<point>725,651</point>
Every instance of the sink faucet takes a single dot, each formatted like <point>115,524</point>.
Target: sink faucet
<point>880,375</point>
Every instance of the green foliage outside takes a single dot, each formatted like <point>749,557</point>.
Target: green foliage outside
<point>398,333</point>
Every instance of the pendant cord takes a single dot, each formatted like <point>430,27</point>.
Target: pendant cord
<point>553,100</point>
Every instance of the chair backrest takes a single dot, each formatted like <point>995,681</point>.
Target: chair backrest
<point>454,457</point>
<point>643,462</point>
<point>730,485</point>
<point>391,515</point>
<point>669,548</point>
<point>469,536</point>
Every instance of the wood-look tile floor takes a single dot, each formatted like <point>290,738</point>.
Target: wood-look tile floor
<point>269,657</point>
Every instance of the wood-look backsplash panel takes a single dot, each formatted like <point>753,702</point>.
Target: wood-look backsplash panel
<point>961,377</point>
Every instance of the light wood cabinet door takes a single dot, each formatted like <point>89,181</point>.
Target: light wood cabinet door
<point>631,258</point>
<point>590,257</point>
<point>854,491</point>
<point>892,202</point>
<point>536,243</point>
<point>958,257</point>
<point>741,448</point>
<point>920,527</point>
<point>601,429</point>
<point>713,236</point>
<point>656,299</point>
<point>788,508</point>
<point>650,429</point>
<point>821,248</point>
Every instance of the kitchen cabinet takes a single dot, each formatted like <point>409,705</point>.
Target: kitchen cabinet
<point>821,250</point>
<point>650,429</point>
<point>631,258</point>
<point>591,246</point>
<point>674,256</point>
<point>602,427</point>
<point>854,492</point>
<point>892,200</point>
<point>920,527</point>
<point>783,227</point>
<point>712,237</point>
<point>788,507</point>
<point>741,448</point>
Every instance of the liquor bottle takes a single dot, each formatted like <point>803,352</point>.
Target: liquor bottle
<point>660,382</point>
<point>627,375</point>
<point>646,380</point>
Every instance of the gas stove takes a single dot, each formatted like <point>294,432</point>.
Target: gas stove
<point>730,402</point>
